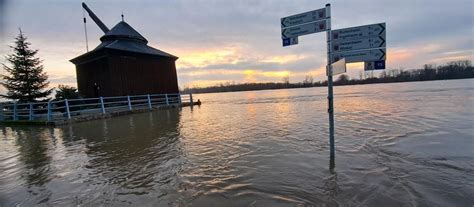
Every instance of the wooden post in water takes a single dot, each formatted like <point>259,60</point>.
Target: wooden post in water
<point>67,109</point>
<point>191,99</point>
<point>166,98</point>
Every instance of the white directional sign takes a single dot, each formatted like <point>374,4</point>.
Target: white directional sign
<point>304,29</point>
<point>303,18</point>
<point>358,44</point>
<point>339,67</point>
<point>360,32</point>
<point>360,56</point>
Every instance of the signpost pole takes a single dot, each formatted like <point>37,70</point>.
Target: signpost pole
<point>330,86</point>
<point>366,43</point>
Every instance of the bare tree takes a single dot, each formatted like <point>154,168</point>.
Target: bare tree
<point>308,80</point>
<point>286,80</point>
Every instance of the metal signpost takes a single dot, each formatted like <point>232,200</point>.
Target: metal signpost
<point>355,44</point>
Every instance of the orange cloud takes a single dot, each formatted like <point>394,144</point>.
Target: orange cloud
<point>283,59</point>
<point>204,57</point>
<point>395,56</point>
<point>207,83</point>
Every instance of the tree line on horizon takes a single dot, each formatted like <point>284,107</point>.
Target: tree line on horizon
<point>452,70</point>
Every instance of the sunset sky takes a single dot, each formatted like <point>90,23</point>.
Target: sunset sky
<point>239,41</point>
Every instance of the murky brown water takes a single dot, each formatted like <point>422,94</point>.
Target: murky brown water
<point>405,144</point>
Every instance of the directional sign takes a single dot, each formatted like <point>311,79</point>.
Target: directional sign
<point>304,29</point>
<point>375,65</point>
<point>348,45</point>
<point>290,41</point>
<point>360,56</point>
<point>339,67</point>
<point>360,32</point>
<point>303,18</point>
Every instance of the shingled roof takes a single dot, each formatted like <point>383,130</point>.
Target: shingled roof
<point>123,31</point>
<point>124,38</point>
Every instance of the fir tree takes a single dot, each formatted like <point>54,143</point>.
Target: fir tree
<point>66,92</point>
<point>26,81</point>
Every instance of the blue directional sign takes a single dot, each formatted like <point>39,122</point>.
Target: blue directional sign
<point>379,65</point>
<point>374,65</point>
<point>290,41</point>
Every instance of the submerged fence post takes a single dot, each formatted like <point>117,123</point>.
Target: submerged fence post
<point>49,111</point>
<point>102,107</point>
<point>191,99</point>
<point>166,98</point>
<point>129,103</point>
<point>15,117</point>
<point>67,109</point>
<point>31,112</point>
<point>149,101</point>
<point>2,118</point>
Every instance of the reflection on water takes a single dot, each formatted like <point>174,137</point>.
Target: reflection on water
<point>96,161</point>
<point>396,145</point>
<point>33,154</point>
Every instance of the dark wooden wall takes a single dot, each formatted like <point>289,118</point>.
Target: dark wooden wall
<point>87,74</point>
<point>121,74</point>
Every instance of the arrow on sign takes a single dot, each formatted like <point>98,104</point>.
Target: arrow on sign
<point>304,29</point>
<point>382,44</point>
<point>360,56</point>
<point>382,25</point>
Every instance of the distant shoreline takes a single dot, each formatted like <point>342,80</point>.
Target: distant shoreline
<point>453,70</point>
<point>298,86</point>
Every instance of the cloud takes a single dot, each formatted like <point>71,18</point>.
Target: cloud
<point>218,40</point>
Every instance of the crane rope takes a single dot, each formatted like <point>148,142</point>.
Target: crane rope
<point>85,28</point>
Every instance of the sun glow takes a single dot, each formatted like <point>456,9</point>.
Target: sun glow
<point>199,58</point>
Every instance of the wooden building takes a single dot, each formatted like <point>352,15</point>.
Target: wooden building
<point>123,64</point>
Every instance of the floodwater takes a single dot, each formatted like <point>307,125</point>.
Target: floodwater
<point>402,144</point>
